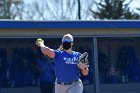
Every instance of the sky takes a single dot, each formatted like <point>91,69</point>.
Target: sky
<point>85,15</point>
<point>134,4</point>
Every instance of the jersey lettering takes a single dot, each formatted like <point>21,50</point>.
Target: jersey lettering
<point>70,60</point>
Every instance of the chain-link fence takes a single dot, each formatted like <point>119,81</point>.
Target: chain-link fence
<point>118,60</point>
<point>23,65</point>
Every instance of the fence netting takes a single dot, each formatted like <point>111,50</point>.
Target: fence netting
<point>118,60</point>
<point>23,65</point>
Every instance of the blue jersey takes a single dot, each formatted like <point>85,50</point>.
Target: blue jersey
<point>66,66</point>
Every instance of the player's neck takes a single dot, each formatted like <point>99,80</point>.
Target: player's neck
<point>69,51</point>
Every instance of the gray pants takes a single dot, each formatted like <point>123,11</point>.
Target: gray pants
<point>76,87</point>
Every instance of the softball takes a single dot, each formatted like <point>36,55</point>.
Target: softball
<point>40,40</point>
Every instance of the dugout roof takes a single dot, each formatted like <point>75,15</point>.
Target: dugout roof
<point>70,24</point>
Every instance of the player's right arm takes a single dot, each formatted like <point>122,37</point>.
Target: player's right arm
<point>44,49</point>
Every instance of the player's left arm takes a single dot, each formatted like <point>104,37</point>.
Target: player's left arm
<point>83,63</point>
<point>84,71</point>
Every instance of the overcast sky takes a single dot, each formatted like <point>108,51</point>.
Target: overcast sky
<point>134,4</point>
<point>85,14</point>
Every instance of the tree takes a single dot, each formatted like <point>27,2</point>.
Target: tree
<point>53,10</point>
<point>114,9</point>
<point>10,8</point>
<point>44,9</point>
<point>2,9</point>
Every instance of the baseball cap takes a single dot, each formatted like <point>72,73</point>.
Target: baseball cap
<point>69,39</point>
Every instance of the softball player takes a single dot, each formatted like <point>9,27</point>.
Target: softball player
<point>66,68</point>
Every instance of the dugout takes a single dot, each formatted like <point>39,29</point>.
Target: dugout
<point>113,48</point>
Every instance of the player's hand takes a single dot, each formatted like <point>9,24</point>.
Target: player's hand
<point>40,42</point>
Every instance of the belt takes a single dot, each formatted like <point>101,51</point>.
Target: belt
<point>68,83</point>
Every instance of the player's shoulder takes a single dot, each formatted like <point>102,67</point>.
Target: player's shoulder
<point>58,51</point>
<point>76,53</point>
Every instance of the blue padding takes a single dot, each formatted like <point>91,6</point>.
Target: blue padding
<point>70,24</point>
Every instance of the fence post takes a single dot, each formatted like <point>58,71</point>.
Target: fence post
<point>96,71</point>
